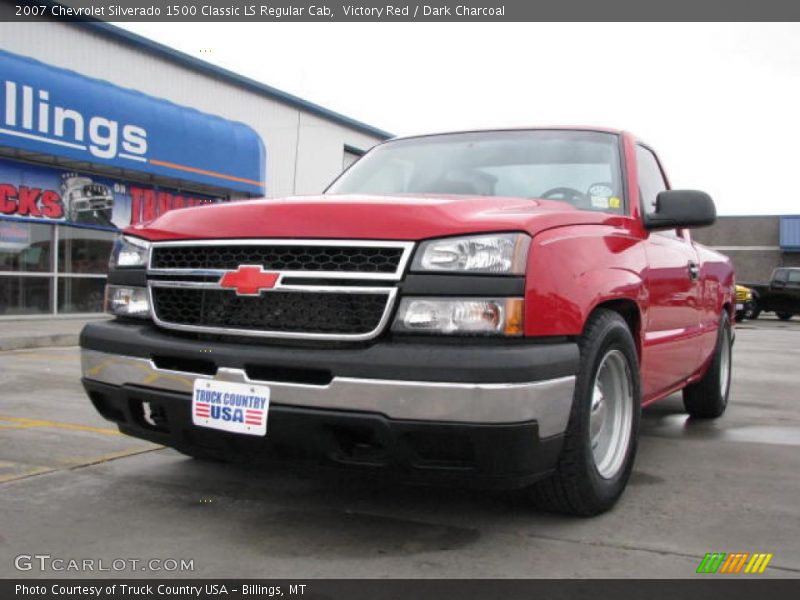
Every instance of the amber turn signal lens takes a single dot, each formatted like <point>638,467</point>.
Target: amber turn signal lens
<point>514,316</point>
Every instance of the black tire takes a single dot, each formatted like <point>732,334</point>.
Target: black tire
<point>784,316</point>
<point>754,309</point>
<point>576,487</point>
<point>749,308</point>
<point>708,398</point>
<point>740,315</point>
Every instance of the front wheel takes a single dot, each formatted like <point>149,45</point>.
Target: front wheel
<point>603,428</point>
<point>708,398</point>
<point>754,309</point>
<point>749,310</point>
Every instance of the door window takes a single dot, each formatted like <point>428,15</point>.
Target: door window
<point>651,180</point>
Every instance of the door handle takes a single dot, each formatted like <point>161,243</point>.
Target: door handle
<point>694,271</point>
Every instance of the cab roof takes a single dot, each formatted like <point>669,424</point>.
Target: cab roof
<point>519,128</point>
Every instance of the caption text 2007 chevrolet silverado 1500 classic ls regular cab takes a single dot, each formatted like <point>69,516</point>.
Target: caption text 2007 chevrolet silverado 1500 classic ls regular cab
<point>492,307</point>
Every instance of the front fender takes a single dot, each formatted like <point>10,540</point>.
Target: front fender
<point>572,270</point>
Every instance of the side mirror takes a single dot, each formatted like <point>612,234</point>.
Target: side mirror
<point>681,208</point>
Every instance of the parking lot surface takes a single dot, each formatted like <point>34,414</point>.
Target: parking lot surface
<point>72,487</point>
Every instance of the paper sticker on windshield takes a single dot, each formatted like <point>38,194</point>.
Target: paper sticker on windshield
<point>599,202</point>
<point>614,202</point>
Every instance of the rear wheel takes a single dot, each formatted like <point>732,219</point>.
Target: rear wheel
<point>708,398</point>
<point>600,441</point>
<point>784,316</point>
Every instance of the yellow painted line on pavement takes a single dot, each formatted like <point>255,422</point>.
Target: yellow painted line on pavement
<point>96,460</point>
<point>23,474</point>
<point>26,423</point>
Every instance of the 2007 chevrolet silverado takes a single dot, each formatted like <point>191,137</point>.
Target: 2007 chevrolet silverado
<point>491,306</point>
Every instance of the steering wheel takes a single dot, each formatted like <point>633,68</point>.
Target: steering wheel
<point>568,194</point>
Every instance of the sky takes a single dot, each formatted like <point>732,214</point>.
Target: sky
<point>720,103</point>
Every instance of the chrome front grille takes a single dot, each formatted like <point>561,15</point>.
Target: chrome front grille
<point>278,311</point>
<point>307,257</point>
<point>310,298</point>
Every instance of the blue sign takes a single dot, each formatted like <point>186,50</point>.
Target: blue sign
<point>58,112</point>
<point>38,193</point>
<point>790,233</point>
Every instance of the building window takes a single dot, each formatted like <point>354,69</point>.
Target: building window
<point>351,155</point>
<point>20,295</point>
<point>49,269</point>
<point>80,294</point>
<point>25,247</point>
<point>84,251</point>
<point>26,265</point>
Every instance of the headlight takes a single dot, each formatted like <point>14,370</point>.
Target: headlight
<point>125,301</point>
<point>129,252</point>
<point>460,316</point>
<point>504,253</point>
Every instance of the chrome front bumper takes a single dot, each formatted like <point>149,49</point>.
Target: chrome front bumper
<point>546,402</point>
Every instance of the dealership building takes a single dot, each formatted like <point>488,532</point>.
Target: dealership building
<point>755,244</point>
<point>101,128</point>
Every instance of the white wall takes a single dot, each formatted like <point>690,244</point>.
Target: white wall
<point>318,155</point>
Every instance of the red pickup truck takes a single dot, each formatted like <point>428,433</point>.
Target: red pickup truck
<point>492,307</point>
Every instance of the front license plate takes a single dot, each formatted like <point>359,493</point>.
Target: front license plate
<point>235,407</point>
<point>740,307</point>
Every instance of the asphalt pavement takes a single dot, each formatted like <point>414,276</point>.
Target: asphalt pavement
<point>72,487</point>
<point>42,332</point>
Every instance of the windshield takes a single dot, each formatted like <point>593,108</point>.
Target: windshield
<point>579,167</point>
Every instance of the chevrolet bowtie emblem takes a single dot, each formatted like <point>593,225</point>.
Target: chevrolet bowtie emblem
<point>249,280</point>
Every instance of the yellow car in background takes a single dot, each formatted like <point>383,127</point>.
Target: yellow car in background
<point>744,303</point>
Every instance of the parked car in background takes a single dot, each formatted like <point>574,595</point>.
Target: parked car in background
<point>781,295</point>
<point>745,303</point>
<point>487,306</point>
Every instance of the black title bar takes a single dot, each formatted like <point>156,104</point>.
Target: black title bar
<point>398,589</point>
<point>400,10</point>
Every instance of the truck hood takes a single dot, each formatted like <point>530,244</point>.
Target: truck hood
<point>364,217</point>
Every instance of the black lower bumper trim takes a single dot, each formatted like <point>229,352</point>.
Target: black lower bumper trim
<point>485,455</point>
<point>471,361</point>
